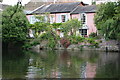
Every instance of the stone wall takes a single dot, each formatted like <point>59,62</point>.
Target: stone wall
<point>110,45</point>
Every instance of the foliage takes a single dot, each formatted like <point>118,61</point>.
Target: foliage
<point>30,44</point>
<point>76,39</point>
<point>50,36</point>
<point>71,26</point>
<point>92,35</point>
<point>92,42</point>
<point>14,24</point>
<point>56,25</point>
<point>107,20</point>
<point>45,31</point>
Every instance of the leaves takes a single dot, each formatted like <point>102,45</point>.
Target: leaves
<point>107,19</point>
<point>70,25</point>
<point>14,24</point>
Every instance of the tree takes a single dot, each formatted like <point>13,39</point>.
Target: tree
<point>107,20</point>
<point>14,25</point>
<point>45,31</point>
<point>71,26</point>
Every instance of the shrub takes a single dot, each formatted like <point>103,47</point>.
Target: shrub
<point>75,39</point>
<point>92,35</point>
<point>65,42</point>
<point>92,42</point>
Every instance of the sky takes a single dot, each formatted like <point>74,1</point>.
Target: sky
<point>13,2</point>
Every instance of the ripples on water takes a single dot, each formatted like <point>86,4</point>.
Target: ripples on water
<point>60,64</point>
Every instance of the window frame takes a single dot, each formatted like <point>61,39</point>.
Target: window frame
<point>83,32</point>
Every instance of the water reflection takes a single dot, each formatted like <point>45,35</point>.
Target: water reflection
<point>61,64</point>
<point>14,64</point>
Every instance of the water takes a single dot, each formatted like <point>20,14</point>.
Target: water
<point>60,64</point>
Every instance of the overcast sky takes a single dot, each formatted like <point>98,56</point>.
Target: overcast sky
<point>13,2</point>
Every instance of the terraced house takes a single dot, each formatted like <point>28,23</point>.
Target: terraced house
<point>60,13</point>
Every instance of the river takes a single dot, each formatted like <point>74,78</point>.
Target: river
<point>60,64</point>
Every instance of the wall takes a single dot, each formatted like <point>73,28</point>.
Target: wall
<point>90,23</point>
<point>75,16</point>
<point>57,17</point>
<point>31,19</point>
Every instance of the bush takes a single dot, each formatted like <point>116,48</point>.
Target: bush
<point>76,39</point>
<point>29,45</point>
<point>92,42</point>
<point>92,35</point>
<point>65,42</point>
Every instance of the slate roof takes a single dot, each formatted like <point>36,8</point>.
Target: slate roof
<point>57,8</point>
<point>33,5</point>
<point>85,9</point>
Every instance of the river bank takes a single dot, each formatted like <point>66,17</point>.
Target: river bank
<point>111,45</point>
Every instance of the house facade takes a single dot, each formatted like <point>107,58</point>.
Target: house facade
<point>86,15</point>
<point>60,13</point>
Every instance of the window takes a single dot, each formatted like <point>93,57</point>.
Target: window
<point>83,18</point>
<point>52,19</point>
<point>83,32</point>
<point>63,18</point>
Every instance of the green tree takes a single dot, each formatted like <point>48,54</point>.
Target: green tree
<point>49,35</point>
<point>107,20</point>
<point>71,26</point>
<point>14,25</point>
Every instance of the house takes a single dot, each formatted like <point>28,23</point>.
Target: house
<point>60,13</point>
<point>86,15</point>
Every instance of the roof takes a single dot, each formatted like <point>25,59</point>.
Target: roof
<point>33,5</point>
<point>85,9</point>
<point>27,11</point>
<point>57,8</point>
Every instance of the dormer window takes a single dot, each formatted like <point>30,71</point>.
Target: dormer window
<point>83,18</point>
<point>63,18</point>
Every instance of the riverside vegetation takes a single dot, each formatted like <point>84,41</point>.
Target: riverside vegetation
<point>16,28</point>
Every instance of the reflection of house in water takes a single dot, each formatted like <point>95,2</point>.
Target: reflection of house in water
<point>90,70</point>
